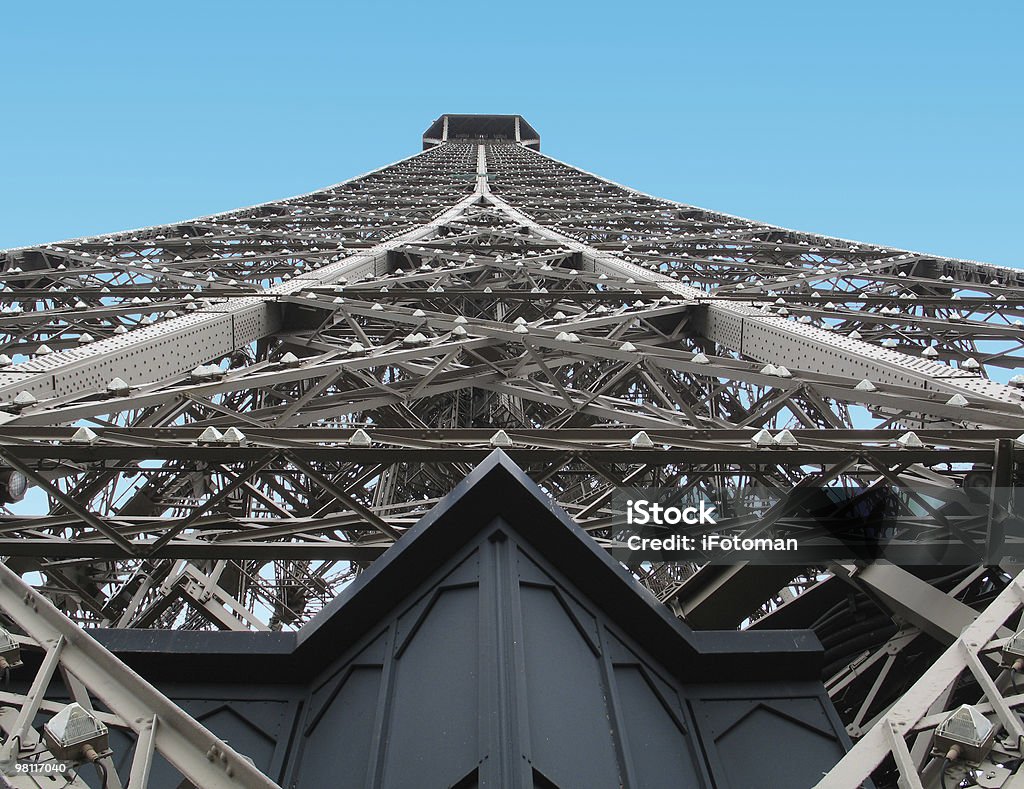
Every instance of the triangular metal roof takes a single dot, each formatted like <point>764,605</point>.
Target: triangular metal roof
<point>497,488</point>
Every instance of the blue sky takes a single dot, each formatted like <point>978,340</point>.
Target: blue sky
<point>896,123</point>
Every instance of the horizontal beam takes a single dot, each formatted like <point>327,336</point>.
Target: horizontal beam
<point>309,549</point>
<point>567,437</point>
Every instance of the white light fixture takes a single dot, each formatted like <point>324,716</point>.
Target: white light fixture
<point>966,734</point>
<point>10,651</point>
<point>76,735</point>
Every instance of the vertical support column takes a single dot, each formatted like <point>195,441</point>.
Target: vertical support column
<point>481,170</point>
<point>519,135</point>
<point>444,132</point>
<point>504,729</point>
<point>999,501</point>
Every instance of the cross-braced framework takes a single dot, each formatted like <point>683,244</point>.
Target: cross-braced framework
<point>230,417</point>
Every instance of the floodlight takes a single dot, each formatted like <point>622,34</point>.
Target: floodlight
<point>10,651</point>
<point>966,734</point>
<point>76,735</point>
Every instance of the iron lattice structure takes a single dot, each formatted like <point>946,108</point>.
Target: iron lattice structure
<point>230,417</point>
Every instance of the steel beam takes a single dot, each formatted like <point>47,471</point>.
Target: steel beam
<point>201,757</point>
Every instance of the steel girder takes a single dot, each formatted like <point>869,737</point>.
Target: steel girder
<point>87,671</point>
<point>968,670</point>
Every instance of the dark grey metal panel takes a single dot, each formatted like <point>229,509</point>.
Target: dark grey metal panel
<point>433,723</point>
<point>258,729</point>
<point>499,663</point>
<point>566,695</point>
<point>659,752</point>
<point>753,737</point>
<point>341,732</point>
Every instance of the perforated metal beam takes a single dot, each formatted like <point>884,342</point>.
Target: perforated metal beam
<point>175,346</point>
<point>746,330</point>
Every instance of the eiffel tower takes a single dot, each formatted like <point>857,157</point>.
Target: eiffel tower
<point>225,423</point>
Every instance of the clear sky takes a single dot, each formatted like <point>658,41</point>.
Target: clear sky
<point>891,122</point>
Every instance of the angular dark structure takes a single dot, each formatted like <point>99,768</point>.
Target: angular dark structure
<point>476,128</point>
<point>496,645</point>
<point>240,436</point>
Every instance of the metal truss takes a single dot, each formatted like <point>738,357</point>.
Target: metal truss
<point>86,671</point>
<point>231,417</point>
<point>968,671</point>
